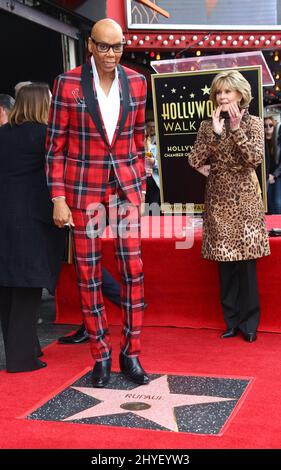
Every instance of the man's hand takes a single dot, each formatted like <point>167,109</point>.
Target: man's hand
<point>62,214</point>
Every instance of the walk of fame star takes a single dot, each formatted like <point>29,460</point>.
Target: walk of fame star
<point>170,402</point>
<point>157,395</point>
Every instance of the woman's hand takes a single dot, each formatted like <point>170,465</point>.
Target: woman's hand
<point>217,122</point>
<point>204,170</point>
<point>235,116</point>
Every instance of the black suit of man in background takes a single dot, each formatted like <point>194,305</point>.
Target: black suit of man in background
<point>111,290</point>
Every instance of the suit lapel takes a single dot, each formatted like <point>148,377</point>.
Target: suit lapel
<point>91,100</point>
<point>124,102</point>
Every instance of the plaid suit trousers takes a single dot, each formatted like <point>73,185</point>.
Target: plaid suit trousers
<point>89,225</point>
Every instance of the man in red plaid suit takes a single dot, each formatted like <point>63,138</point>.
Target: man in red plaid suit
<point>95,165</point>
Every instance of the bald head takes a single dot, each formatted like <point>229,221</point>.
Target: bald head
<point>106,26</point>
<point>106,46</point>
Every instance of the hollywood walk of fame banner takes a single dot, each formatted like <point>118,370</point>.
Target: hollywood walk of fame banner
<point>181,101</point>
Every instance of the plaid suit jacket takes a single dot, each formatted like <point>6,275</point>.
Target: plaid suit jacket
<point>78,154</point>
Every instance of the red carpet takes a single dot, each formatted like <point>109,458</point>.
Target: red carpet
<point>181,288</point>
<point>178,351</point>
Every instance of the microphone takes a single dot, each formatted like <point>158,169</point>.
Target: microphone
<point>195,43</point>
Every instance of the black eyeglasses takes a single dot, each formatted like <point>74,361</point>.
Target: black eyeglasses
<point>104,47</point>
<point>268,125</point>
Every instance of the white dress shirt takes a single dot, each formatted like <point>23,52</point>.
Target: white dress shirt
<point>109,105</point>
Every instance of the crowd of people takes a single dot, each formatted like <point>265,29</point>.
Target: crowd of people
<point>67,157</point>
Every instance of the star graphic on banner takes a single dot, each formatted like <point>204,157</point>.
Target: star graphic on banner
<point>192,95</point>
<point>173,90</point>
<point>181,97</point>
<point>166,84</point>
<point>162,96</point>
<point>153,402</point>
<point>184,87</point>
<point>206,90</point>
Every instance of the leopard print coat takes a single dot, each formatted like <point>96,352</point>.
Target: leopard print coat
<point>233,219</point>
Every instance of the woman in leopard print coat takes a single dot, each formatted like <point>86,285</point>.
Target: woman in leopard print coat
<point>234,232</point>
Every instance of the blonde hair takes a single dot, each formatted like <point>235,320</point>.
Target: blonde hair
<point>270,118</point>
<point>19,85</point>
<point>235,81</point>
<point>32,104</point>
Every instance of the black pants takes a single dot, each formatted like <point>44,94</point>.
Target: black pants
<point>239,295</point>
<point>18,310</point>
<point>152,191</point>
<point>111,288</point>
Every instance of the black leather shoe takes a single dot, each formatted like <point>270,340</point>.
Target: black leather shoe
<point>101,373</point>
<point>229,333</point>
<point>250,337</point>
<point>131,368</point>
<point>39,365</point>
<point>80,336</point>
<point>42,364</point>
